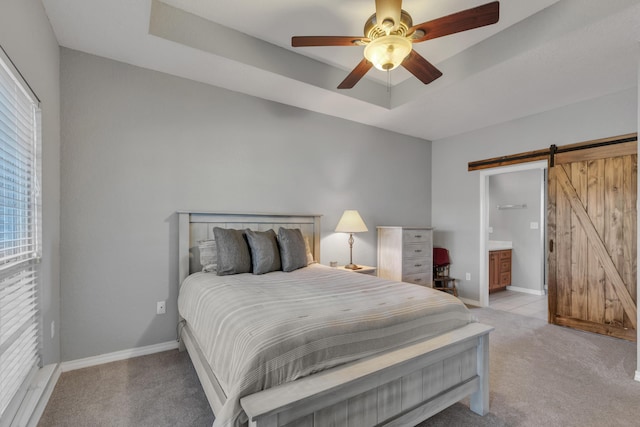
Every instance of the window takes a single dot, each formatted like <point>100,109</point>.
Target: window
<point>19,237</point>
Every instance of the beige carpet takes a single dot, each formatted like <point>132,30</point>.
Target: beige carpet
<point>157,390</point>
<point>541,375</point>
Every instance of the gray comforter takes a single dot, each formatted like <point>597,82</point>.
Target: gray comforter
<point>260,331</point>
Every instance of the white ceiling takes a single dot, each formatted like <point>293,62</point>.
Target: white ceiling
<point>542,54</point>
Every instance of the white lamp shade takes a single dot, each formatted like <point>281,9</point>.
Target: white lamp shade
<point>387,53</point>
<point>351,222</point>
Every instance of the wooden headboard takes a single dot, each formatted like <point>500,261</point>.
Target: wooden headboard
<point>196,226</point>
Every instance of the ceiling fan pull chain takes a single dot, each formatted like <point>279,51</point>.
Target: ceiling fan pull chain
<point>388,80</point>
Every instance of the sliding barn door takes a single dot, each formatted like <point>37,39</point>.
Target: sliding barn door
<point>592,239</point>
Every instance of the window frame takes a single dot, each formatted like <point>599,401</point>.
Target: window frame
<point>25,261</point>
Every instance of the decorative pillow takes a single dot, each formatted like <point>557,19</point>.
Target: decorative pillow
<point>307,247</point>
<point>265,256</point>
<point>293,252</point>
<point>233,252</point>
<point>208,255</point>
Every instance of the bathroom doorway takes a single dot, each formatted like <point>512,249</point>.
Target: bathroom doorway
<point>513,212</point>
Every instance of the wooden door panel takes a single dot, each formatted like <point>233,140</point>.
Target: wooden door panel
<point>579,244</point>
<point>552,248</point>
<point>563,255</point>
<point>630,224</point>
<point>606,258</point>
<point>592,221</point>
<point>613,207</point>
<point>595,271</point>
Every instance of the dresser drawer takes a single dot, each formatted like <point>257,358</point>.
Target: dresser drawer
<point>417,279</point>
<point>415,250</point>
<point>416,266</point>
<point>416,236</point>
<point>505,255</point>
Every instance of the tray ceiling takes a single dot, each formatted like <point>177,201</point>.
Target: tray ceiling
<point>543,54</point>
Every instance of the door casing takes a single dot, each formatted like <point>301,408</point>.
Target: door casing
<point>484,221</point>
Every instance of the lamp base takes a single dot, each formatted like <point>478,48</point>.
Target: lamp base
<point>352,267</point>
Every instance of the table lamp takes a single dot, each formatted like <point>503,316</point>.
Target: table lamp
<point>351,222</point>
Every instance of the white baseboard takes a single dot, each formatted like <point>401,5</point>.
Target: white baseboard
<point>526,290</point>
<point>637,377</point>
<point>118,355</point>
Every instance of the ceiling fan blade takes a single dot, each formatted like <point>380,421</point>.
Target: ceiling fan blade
<point>302,41</point>
<point>421,68</point>
<point>461,21</point>
<point>355,75</point>
<point>389,11</point>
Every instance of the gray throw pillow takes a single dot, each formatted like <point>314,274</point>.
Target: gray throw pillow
<point>265,256</point>
<point>233,251</point>
<point>293,252</point>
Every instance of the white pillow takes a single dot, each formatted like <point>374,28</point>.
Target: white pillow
<point>307,247</point>
<point>208,255</point>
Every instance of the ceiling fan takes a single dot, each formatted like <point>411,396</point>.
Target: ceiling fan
<point>389,34</point>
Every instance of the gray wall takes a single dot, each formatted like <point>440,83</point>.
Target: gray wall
<point>456,192</point>
<point>514,225</point>
<point>27,37</point>
<point>139,145</point>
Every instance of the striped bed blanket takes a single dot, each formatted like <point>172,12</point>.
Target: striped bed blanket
<point>258,331</point>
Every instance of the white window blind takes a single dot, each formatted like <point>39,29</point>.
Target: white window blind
<point>19,237</point>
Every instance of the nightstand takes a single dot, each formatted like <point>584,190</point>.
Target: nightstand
<point>365,269</point>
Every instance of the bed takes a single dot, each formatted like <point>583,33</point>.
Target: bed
<point>406,379</point>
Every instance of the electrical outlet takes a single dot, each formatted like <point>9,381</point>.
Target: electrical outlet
<point>467,276</point>
<point>53,328</point>
<point>161,307</point>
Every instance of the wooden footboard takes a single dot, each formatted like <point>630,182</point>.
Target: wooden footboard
<point>398,388</point>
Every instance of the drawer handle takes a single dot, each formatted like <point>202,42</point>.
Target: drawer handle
<point>418,265</point>
<point>418,236</point>
<point>418,280</point>
<point>418,250</point>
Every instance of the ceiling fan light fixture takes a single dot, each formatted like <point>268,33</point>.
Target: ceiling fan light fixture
<point>389,40</point>
<point>387,52</point>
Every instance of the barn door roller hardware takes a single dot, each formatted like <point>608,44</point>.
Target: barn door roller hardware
<point>548,153</point>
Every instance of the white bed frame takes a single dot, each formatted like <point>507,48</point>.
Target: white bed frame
<point>397,388</point>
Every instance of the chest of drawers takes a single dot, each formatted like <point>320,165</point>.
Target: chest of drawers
<point>405,254</point>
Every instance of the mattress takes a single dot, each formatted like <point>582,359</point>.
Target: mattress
<point>258,331</point>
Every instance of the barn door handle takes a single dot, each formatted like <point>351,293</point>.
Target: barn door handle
<point>551,245</point>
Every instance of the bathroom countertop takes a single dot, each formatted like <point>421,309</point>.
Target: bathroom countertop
<point>499,245</point>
